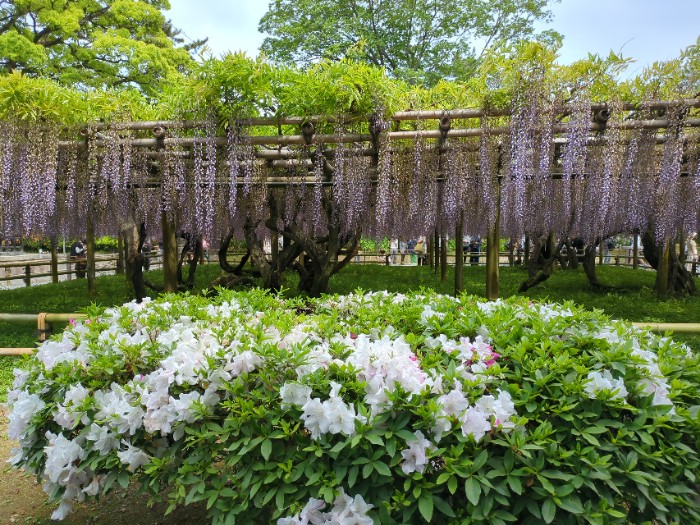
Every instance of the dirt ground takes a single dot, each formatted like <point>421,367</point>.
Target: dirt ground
<point>23,502</point>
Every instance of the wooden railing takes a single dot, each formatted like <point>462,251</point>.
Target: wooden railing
<point>27,270</point>
<point>44,327</point>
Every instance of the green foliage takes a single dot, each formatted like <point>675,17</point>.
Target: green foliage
<point>568,450</point>
<point>33,99</point>
<point>421,41</point>
<point>240,87</point>
<point>105,43</point>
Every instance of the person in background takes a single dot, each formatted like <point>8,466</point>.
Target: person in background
<point>146,251</point>
<point>402,250</point>
<point>691,244</point>
<point>419,250</point>
<point>474,249</point>
<point>78,253</point>
<point>205,250</point>
<point>393,250</point>
<point>411,247</point>
<point>608,246</point>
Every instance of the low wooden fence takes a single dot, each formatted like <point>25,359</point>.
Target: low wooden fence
<point>44,327</point>
<point>32,270</point>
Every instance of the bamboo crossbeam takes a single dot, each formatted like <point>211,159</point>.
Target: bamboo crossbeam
<point>462,113</point>
<point>16,351</point>
<point>146,125</point>
<point>688,328</point>
<point>286,140</point>
<point>31,318</point>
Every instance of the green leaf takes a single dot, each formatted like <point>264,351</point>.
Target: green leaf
<point>472,487</point>
<point>266,449</point>
<point>382,468</point>
<point>515,484</point>
<point>452,484</point>
<point>571,504</point>
<point>443,507</point>
<point>123,479</point>
<point>375,439</point>
<point>352,475</point>
<point>549,510</point>
<point>480,459</point>
<point>425,506</point>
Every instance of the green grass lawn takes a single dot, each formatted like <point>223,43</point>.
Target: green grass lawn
<point>631,296</point>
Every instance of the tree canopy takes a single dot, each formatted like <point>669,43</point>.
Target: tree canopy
<point>420,41</point>
<point>93,43</point>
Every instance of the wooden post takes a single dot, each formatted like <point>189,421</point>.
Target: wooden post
<point>274,247</point>
<point>429,251</point>
<point>459,255</point>
<point>54,259</point>
<point>443,258</point>
<point>436,249</point>
<point>90,238</point>
<point>526,251</point>
<point>42,327</point>
<point>120,257</point>
<point>27,275</point>
<point>635,251</point>
<point>168,229</point>
<point>493,252</point>
<point>662,271</point>
<point>169,253</point>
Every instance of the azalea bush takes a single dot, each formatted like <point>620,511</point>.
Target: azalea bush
<point>366,408</point>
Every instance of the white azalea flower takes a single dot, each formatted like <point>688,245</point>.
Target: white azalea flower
<point>598,382</point>
<point>23,409</point>
<point>475,423</point>
<point>133,457</point>
<point>62,512</point>
<point>414,457</point>
<point>294,394</point>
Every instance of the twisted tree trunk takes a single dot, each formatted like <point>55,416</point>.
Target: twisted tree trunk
<point>672,278</point>
<point>541,262</point>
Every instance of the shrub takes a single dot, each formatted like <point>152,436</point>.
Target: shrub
<point>106,243</point>
<point>378,407</point>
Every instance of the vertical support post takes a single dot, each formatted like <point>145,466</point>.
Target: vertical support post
<point>90,238</point>
<point>54,259</point>
<point>169,253</point>
<point>429,250</point>
<point>493,252</point>
<point>274,246</point>
<point>436,249</point>
<point>635,251</point>
<point>526,250</point>
<point>27,275</point>
<point>663,270</point>
<point>443,257</point>
<point>119,270</point>
<point>168,230</point>
<point>459,255</point>
<point>42,327</point>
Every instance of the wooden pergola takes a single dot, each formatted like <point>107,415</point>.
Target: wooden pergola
<point>301,146</point>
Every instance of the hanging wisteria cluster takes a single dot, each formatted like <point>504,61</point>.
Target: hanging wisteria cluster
<point>543,169</point>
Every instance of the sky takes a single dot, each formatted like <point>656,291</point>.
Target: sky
<point>645,30</point>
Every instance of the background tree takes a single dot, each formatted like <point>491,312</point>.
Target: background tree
<point>420,41</point>
<point>97,43</point>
